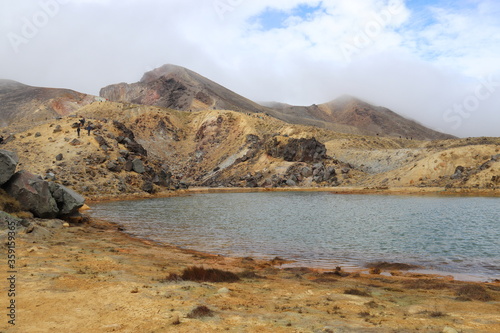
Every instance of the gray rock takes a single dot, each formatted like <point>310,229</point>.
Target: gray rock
<point>75,142</point>
<point>50,176</point>
<point>33,193</point>
<point>52,224</point>
<point>329,173</point>
<point>138,166</point>
<point>7,220</point>
<point>59,157</point>
<point>496,158</point>
<point>306,172</point>
<point>291,182</point>
<point>101,141</point>
<point>36,232</point>
<point>148,187</point>
<point>129,166</point>
<point>8,164</point>
<point>67,200</point>
<point>38,134</point>
<point>114,167</point>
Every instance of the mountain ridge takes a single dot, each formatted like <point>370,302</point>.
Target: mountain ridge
<point>179,88</point>
<point>21,103</point>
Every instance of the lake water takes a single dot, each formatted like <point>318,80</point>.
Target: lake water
<point>456,235</point>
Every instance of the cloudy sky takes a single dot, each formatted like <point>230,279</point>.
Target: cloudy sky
<point>435,61</point>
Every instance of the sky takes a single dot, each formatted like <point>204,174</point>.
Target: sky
<point>434,61</point>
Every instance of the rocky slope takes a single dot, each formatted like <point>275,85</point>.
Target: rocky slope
<point>364,118</point>
<point>178,88</point>
<point>136,149</point>
<point>20,103</point>
<point>181,89</point>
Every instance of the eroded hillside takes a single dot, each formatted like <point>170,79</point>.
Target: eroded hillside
<point>135,149</point>
<point>22,103</point>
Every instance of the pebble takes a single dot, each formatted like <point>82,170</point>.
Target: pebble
<point>416,309</point>
<point>448,329</point>
<point>223,291</point>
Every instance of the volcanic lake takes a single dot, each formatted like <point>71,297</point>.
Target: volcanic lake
<point>457,236</point>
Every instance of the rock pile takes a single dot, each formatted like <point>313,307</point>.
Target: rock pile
<point>297,150</point>
<point>309,165</point>
<point>42,198</point>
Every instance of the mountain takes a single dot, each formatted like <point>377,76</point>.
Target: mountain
<point>135,149</point>
<point>26,104</point>
<point>368,119</point>
<point>179,88</point>
<point>182,89</point>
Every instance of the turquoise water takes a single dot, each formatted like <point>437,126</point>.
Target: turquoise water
<point>457,235</point>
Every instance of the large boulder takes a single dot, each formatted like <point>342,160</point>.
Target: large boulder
<point>33,193</point>
<point>8,164</point>
<point>68,201</point>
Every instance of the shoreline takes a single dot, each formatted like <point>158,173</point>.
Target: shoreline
<point>350,268</point>
<point>465,277</point>
<point>129,284</point>
<point>437,191</point>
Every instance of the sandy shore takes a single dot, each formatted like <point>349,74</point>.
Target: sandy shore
<point>93,278</point>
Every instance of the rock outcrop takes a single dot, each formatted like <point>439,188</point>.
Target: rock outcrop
<point>68,201</point>
<point>33,193</point>
<point>297,150</point>
<point>42,198</point>
<point>8,164</point>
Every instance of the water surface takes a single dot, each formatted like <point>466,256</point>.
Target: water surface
<point>457,235</point>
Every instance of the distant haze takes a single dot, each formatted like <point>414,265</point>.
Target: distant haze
<point>433,61</point>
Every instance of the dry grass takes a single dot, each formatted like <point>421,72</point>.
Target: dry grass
<point>383,265</point>
<point>434,314</point>
<point>8,204</point>
<point>248,274</point>
<point>200,312</point>
<point>200,274</point>
<point>426,284</point>
<point>356,292</point>
<point>172,277</point>
<point>474,292</point>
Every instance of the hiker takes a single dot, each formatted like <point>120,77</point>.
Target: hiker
<point>82,121</point>
<point>88,128</point>
<point>78,130</point>
<point>1,139</point>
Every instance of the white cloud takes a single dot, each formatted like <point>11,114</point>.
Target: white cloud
<point>419,61</point>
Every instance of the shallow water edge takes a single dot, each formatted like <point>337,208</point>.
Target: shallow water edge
<point>346,265</point>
